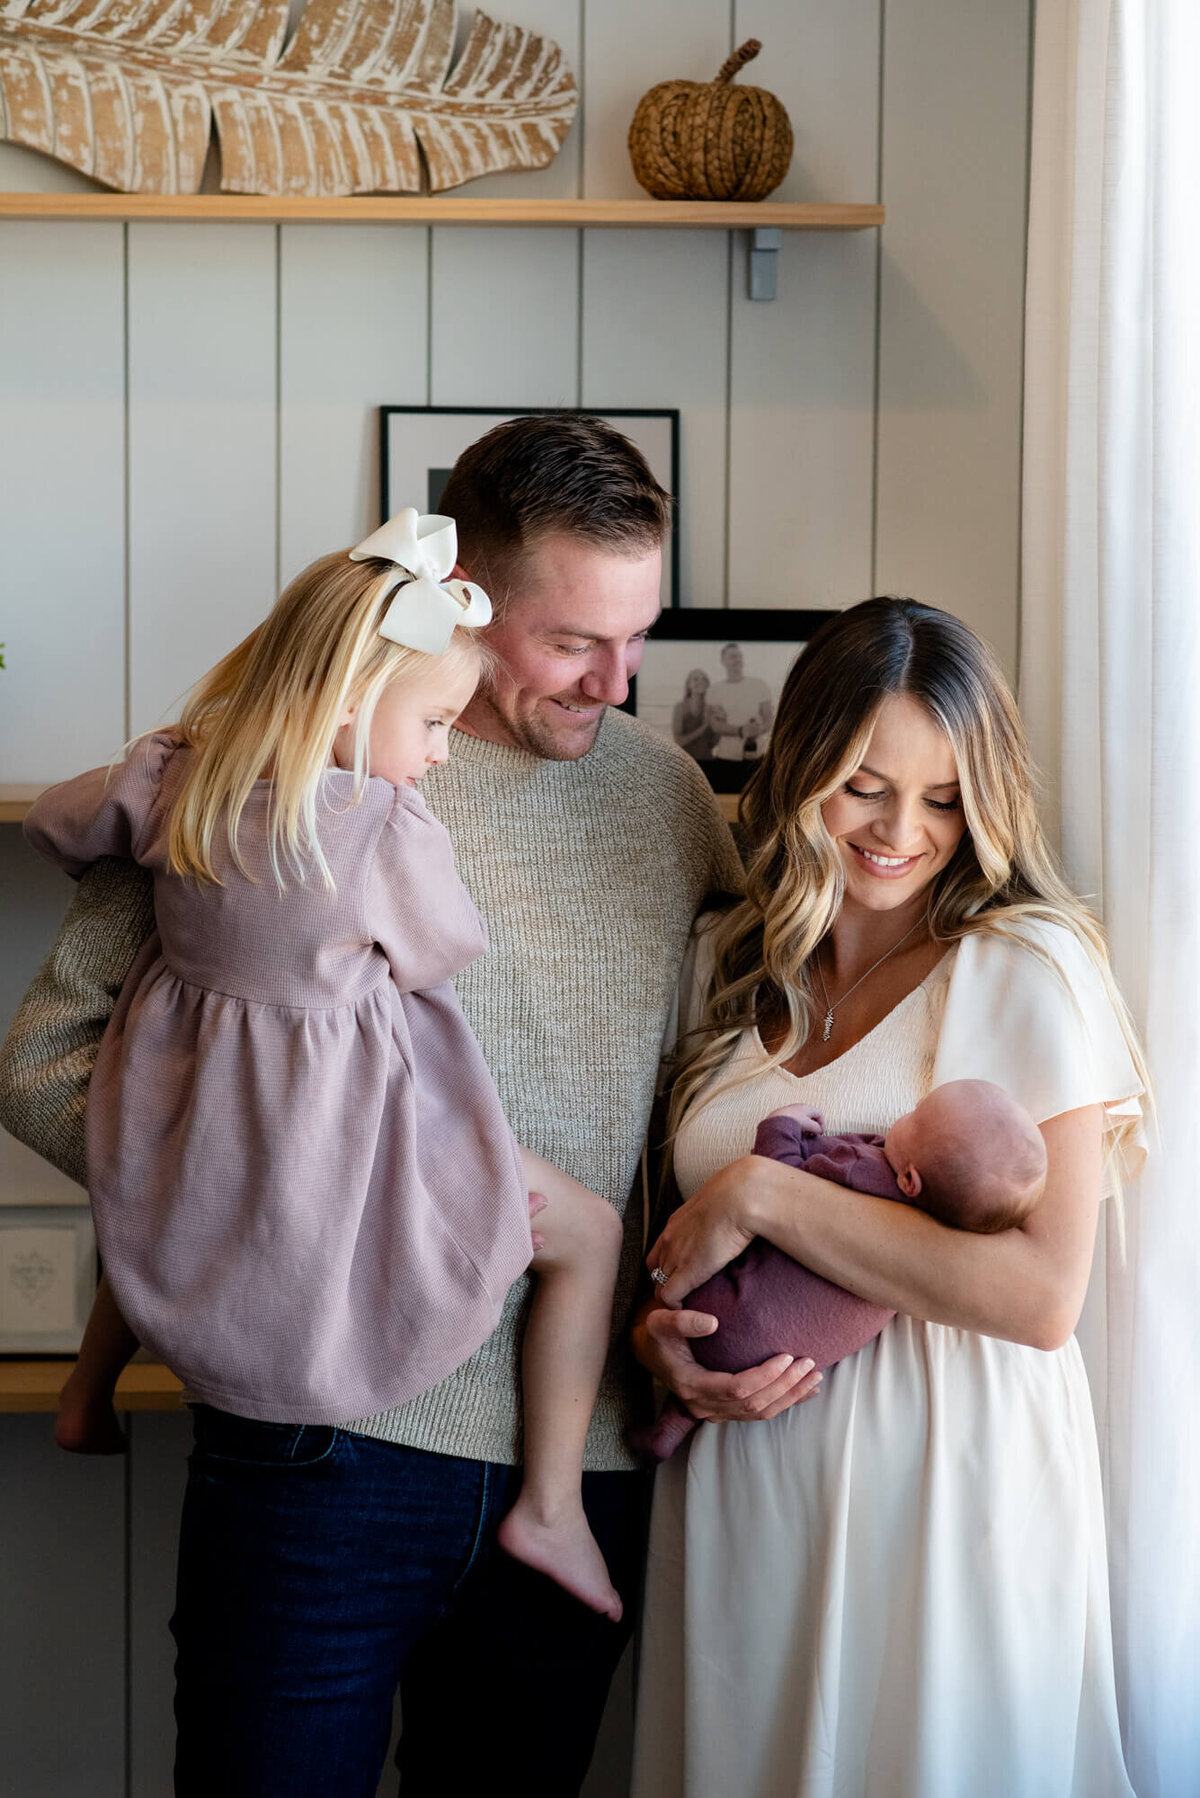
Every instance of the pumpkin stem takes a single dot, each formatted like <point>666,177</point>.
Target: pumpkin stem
<point>739,59</point>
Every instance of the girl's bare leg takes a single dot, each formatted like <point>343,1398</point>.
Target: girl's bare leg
<point>87,1419</point>
<point>566,1340</point>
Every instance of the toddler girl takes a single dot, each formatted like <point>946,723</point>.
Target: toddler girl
<point>307,1198</point>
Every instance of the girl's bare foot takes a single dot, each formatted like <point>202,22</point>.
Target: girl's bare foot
<point>563,1547</point>
<point>87,1423</point>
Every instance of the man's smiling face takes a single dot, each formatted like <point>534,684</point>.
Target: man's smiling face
<point>570,638</point>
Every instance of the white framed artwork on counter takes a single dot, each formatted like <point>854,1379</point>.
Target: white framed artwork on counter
<point>47,1277</point>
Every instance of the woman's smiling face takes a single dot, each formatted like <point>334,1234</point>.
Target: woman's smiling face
<point>898,819</point>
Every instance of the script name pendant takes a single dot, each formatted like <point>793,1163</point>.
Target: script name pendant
<point>828,1031</point>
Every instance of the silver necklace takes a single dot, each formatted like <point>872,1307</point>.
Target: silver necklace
<point>827,1032</point>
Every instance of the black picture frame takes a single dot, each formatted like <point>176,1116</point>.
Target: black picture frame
<point>693,638</point>
<point>419,444</point>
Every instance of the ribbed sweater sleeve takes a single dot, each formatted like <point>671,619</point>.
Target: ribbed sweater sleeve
<point>50,1050</point>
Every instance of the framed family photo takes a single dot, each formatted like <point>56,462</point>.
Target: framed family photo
<point>710,681</point>
<point>420,445</point>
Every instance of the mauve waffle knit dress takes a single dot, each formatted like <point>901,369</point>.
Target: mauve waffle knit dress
<point>307,1198</point>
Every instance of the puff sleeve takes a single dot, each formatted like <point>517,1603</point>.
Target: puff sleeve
<point>1042,1026</point>
<point>103,812</point>
<point>418,909</point>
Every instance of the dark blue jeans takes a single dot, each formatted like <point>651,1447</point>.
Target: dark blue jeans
<point>318,1570</point>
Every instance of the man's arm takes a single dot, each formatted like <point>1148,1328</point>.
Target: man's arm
<point>48,1054</point>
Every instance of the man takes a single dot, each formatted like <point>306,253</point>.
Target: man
<point>739,710</point>
<point>319,1567</point>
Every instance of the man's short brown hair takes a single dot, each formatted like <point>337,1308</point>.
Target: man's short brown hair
<point>548,474</point>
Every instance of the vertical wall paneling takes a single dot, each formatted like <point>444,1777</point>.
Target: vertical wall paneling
<point>655,333</point>
<point>238,369</point>
<point>504,317</point>
<point>655,320</point>
<point>802,366</point>
<point>630,46</point>
<point>202,476</point>
<point>352,337</point>
<point>158,1472</point>
<point>62,1613</point>
<point>954,183</point>
<point>62,532</point>
<point>561,20</point>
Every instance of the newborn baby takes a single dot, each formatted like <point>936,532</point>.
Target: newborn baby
<point>968,1155</point>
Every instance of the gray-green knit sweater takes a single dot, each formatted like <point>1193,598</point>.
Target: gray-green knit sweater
<point>589,875</point>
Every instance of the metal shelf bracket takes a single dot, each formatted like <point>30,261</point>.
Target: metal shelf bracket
<point>765,242</point>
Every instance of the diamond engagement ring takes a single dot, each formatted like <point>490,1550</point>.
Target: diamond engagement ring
<point>658,1276</point>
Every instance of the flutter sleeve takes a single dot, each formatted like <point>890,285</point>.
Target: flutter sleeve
<point>419,910</point>
<point>1032,1014</point>
<point>103,812</point>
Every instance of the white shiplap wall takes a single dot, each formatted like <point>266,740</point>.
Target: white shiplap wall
<point>187,416</point>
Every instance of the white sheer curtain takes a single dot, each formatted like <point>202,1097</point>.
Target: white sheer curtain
<point>1110,687</point>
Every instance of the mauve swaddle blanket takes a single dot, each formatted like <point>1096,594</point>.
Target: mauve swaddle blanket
<point>306,1195</point>
<point>766,1303</point>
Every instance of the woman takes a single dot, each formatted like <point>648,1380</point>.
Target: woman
<point>898,1591</point>
<point>690,724</point>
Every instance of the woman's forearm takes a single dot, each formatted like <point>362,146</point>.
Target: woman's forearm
<point>1026,1284</point>
<point>892,1255</point>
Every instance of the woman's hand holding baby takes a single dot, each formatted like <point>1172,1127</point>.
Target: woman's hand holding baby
<point>662,1342</point>
<point>705,1234</point>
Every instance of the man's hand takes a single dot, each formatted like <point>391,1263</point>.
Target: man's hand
<point>662,1342</point>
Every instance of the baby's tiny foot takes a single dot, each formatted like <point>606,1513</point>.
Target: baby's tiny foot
<point>565,1549</point>
<point>87,1424</point>
<point>660,1439</point>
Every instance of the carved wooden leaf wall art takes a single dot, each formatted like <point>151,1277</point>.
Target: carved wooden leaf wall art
<point>127,90</point>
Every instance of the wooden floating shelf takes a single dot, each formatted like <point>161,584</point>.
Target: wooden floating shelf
<point>394,209</point>
<point>35,1386</point>
<point>15,801</point>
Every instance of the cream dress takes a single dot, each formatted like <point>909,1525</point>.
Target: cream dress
<point>899,1588</point>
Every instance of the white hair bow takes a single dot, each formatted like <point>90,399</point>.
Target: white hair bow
<point>427,606</point>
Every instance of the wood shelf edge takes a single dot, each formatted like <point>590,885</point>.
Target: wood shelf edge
<point>16,799</point>
<point>35,1386</point>
<point>789,215</point>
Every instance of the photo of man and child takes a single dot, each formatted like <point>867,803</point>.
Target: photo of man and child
<point>715,700</point>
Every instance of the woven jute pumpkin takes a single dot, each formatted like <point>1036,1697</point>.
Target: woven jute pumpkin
<point>709,140</point>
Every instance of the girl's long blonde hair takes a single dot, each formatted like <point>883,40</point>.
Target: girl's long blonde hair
<point>273,706</point>
<point>1001,874</point>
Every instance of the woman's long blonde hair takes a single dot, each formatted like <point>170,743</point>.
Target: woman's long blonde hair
<point>273,706</point>
<point>1001,874</point>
